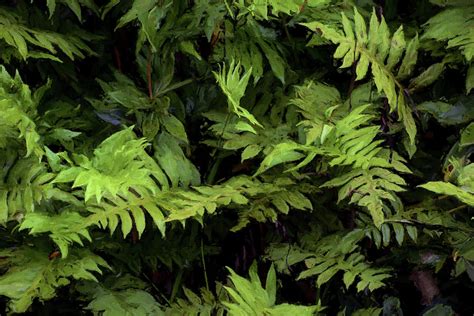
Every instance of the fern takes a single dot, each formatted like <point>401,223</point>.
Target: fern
<point>36,43</point>
<point>375,48</point>
<point>22,188</point>
<point>73,5</point>
<point>204,304</point>
<point>251,45</point>
<point>464,177</point>
<point>18,107</point>
<point>64,228</point>
<point>127,185</point>
<point>233,85</point>
<point>120,296</point>
<point>101,178</point>
<point>32,275</point>
<point>327,257</point>
<point>169,136</point>
<point>349,143</point>
<point>123,199</point>
<point>250,298</point>
<point>454,25</point>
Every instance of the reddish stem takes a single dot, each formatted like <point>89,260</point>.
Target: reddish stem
<point>117,59</point>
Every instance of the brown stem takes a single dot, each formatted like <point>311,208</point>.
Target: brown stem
<point>117,59</point>
<point>457,209</point>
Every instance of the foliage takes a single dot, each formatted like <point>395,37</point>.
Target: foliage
<point>252,299</point>
<point>153,153</point>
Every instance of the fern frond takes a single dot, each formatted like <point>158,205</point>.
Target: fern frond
<point>441,187</point>
<point>377,49</point>
<point>240,135</point>
<point>330,255</point>
<point>64,228</point>
<point>251,198</point>
<point>251,45</point>
<point>269,199</point>
<point>32,275</point>
<point>233,85</point>
<point>125,295</point>
<point>369,188</point>
<point>129,210</point>
<point>18,111</point>
<point>117,167</point>
<point>250,298</point>
<point>454,25</point>
<point>196,305</point>
<point>73,5</point>
<point>395,226</point>
<point>24,185</point>
<point>464,178</point>
<point>36,43</point>
<point>20,187</point>
<point>351,141</point>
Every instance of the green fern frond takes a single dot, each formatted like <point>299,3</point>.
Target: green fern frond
<point>330,255</point>
<point>64,228</point>
<point>37,43</point>
<point>251,45</point>
<point>233,134</point>
<point>73,5</point>
<point>376,48</point>
<point>233,85</point>
<point>198,305</point>
<point>32,275</point>
<point>18,108</point>
<point>23,185</point>
<point>129,211</point>
<point>269,200</point>
<point>250,298</point>
<point>251,198</point>
<point>463,177</point>
<point>369,188</point>
<point>125,295</point>
<point>441,187</point>
<point>454,25</point>
<point>117,167</point>
<point>350,141</point>
<point>396,227</point>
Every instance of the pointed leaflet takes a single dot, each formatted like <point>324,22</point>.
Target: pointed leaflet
<point>470,79</point>
<point>281,153</point>
<point>250,152</point>
<point>410,58</point>
<point>449,189</point>
<point>397,47</point>
<point>467,136</point>
<point>234,86</point>
<point>427,77</point>
<point>276,62</point>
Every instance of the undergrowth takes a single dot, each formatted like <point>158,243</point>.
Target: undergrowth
<point>240,157</point>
